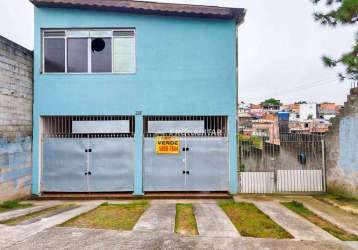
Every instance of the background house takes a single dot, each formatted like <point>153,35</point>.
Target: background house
<point>308,111</point>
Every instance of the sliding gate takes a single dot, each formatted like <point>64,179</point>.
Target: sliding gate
<point>199,162</point>
<point>88,154</point>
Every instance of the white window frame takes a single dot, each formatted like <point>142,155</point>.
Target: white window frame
<point>89,37</point>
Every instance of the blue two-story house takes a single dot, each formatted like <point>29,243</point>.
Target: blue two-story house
<point>134,97</point>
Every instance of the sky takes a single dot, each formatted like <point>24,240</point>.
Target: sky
<point>280,48</point>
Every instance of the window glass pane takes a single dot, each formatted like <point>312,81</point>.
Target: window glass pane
<point>54,53</point>
<point>101,50</point>
<point>124,54</point>
<point>77,55</point>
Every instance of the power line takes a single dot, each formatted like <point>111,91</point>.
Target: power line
<point>300,88</point>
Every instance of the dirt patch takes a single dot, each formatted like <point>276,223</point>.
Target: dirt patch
<point>185,222</point>
<point>252,222</point>
<point>110,216</point>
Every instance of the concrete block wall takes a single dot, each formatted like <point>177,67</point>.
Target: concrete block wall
<point>16,95</point>
<point>342,150</point>
<point>16,90</point>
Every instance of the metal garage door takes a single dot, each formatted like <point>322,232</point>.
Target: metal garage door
<point>64,165</point>
<point>203,166</point>
<point>111,164</point>
<point>162,172</point>
<point>88,161</point>
<point>88,165</point>
<point>202,163</point>
<point>207,162</point>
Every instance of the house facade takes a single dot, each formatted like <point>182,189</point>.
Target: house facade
<point>134,97</point>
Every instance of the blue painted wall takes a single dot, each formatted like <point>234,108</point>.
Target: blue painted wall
<point>15,168</point>
<point>348,146</point>
<point>185,66</point>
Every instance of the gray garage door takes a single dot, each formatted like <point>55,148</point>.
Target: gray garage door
<point>64,165</point>
<point>201,165</point>
<point>88,165</point>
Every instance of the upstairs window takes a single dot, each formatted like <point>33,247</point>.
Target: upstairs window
<point>89,51</point>
<point>101,54</point>
<point>54,52</point>
<point>77,55</point>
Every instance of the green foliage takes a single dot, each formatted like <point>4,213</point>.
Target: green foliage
<point>345,13</point>
<point>121,216</point>
<point>252,222</point>
<point>185,222</point>
<point>271,102</point>
<point>10,205</point>
<point>253,140</point>
<point>242,168</point>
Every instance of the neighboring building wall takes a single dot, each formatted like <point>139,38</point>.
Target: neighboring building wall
<point>15,120</point>
<point>342,149</point>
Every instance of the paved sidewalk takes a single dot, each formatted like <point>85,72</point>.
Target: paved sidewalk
<point>10,235</point>
<point>212,221</point>
<point>158,217</point>
<point>20,212</point>
<point>91,239</point>
<point>297,226</point>
<point>342,219</point>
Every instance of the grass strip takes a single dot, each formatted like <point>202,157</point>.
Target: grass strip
<point>252,222</point>
<point>38,214</point>
<point>185,222</point>
<point>12,205</point>
<point>121,217</point>
<point>300,209</point>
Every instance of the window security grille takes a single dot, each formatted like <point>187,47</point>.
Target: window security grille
<point>212,126</point>
<point>63,126</point>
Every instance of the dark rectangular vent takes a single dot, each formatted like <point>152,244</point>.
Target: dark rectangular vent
<point>121,33</point>
<point>54,33</point>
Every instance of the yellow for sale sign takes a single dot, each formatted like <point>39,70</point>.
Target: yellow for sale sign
<point>167,145</point>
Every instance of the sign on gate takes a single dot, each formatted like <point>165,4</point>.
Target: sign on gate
<point>167,144</point>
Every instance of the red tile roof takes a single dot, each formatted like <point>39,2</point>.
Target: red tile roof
<point>168,9</point>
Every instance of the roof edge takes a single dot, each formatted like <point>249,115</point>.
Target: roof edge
<point>152,8</point>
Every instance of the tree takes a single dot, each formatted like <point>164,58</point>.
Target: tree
<point>343,12</point>
<point>271,102</point>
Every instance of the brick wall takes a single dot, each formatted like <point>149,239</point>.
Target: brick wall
<point>342,149</point>
<point>16,93</point>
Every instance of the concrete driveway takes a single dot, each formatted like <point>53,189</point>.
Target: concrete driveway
<point>70,238</point>
<point>155,230</point>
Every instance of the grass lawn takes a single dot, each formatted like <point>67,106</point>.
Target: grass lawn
<point>185,222</point>
<point>110,216</point>
<point>251,222</point>
<point>12,205</point>
<point>300,209</point>
<point>39,214</point>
